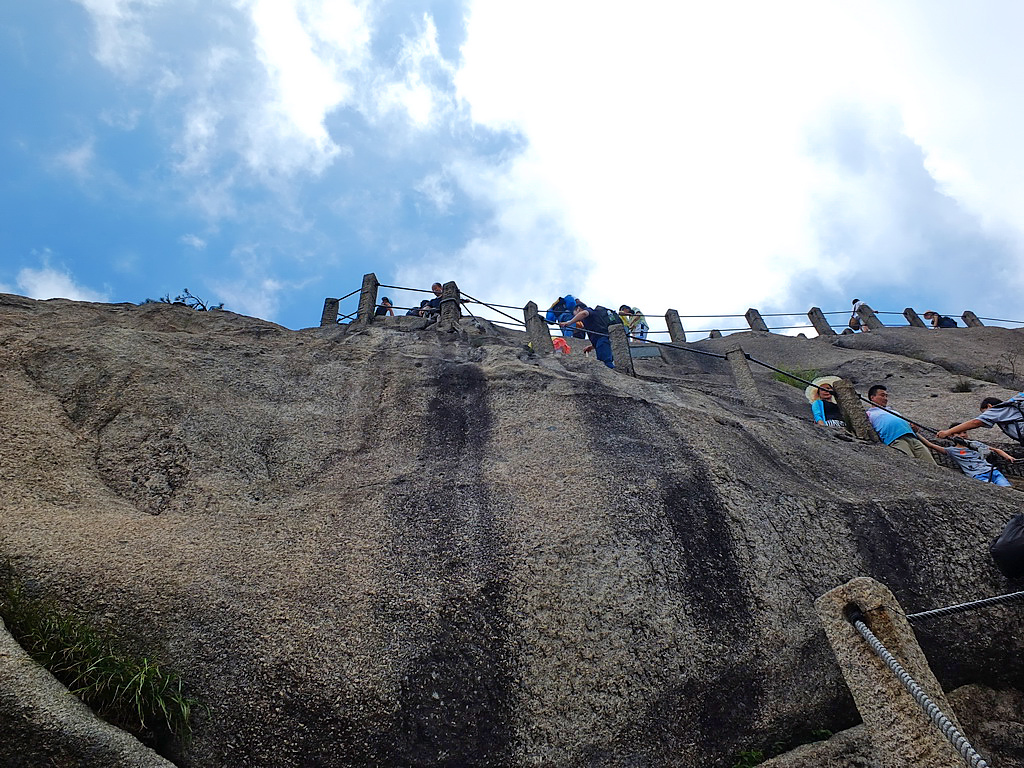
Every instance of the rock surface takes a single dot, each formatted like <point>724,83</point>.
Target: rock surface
<point>385,545</point>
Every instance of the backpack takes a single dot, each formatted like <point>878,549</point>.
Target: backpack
<point>854,323</point>
<point>605,317</point>
<point>947,322</point>
<point>1018,425</point>
<point>1008,548</point>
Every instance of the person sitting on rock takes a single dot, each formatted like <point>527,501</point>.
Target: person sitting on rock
<point>597,322</point>
<point>972,457</point>
<point>895,431</point>
<point>420,310</point>
<point>1007,415</point>
<point>635,322</point>
<point>939,321</point>
<point>384,308</point>
<point>433,307</point>
<point>824,408</point>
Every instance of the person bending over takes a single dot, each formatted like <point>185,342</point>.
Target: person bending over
<point>973,460</point>
<point>1008,415</point>
<point>895,431</point>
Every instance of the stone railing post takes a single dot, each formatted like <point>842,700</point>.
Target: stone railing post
<point>821,325</point>
<point>913,319</point>
<point>868,317</point>
<point>744,378</point>
<point>676,334</point>
<point>621,355</point>
<point>330,314</point>
<point>367,298</point>
<point>451,307</point>
<point>971,320</point>
<point>715,334</point>
<point>852,408</point>
<point>901,734</point>
<point>755,321</point>
<point>537,331</point>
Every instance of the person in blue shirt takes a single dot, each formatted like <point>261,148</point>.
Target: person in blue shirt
<point>895,431</point>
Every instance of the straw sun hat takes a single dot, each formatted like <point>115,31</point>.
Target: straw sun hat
<point>812,391</point>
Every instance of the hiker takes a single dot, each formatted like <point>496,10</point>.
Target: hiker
<point>972,457</point>
<point>939,321</point>
<point>824,408</point>
<point>895,431</point>
<point>384,308</point>
<point>564,308</point>
<point>856,321</point>
<point>420,310</point>
<point>596,321</point>
<point>635,322</point>
<point>1007,415</point>
<point>434,305</point>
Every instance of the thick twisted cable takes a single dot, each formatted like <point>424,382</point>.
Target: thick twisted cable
<point>943,723</point>
<point>961,607</point>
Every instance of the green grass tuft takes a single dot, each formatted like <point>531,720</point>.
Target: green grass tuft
<point>786,378</point>
<point>963,385</point>
<point>137,694</point>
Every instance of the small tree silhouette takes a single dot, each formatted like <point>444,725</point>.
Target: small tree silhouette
<point>187,298</point>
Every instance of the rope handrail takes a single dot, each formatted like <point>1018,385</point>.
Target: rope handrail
<point>961,607</point>
<point>938,718</point>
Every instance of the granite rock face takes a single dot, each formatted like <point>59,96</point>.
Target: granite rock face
<point>388,545</point>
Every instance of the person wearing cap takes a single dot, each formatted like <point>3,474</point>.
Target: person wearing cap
<point>635,322</point>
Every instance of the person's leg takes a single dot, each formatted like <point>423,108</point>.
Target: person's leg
<point>902,445</point>
<point>999,479</point>
<point>920,450</point>
<point>641,333</point>
<point>603,349</point>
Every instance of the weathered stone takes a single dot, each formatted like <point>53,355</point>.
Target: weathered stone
<point>869,318</point>
<point>675,327</point>
<point>913,318</point>
<point>330,314</point>
<point>901,735</point>
<point>743,377</point>
<point>537,329</point>
<point>971,320</point>
<point>367,298</point>
<point>451,308</point>
<point>755,321</point>
<point>620,349</point>
<point>820,322</point>
<point>854,413</point>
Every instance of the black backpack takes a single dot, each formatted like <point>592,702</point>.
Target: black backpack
<point>1008,548</point>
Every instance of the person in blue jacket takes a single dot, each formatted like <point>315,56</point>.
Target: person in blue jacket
<point>563,309</point>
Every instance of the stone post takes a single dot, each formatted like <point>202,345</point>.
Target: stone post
<point>971,320</point>
<point>367,298</point>
<point>621,355</point>
<point>902,736</point>
<point>868,317</point>
<point>676,334</point>
<point>913,319</point>
<point>755,321</point>
<point>330,314</point>
<point>852,408</point>
<point>744,377</point>
<point>715,334</point>
<point>821,325</point>
<point>537,331</point>
<point>451,307</point>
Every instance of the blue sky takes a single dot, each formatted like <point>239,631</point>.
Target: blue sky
<point>705,157</point>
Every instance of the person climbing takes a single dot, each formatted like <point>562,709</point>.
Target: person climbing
<point>596,321</point>
<point>895,431</point>
<point>384,308</point>
<point>972,457</point>
<point>939,321</point>
<point>1008,415</point>
<point>635,322</point>
<point>824,408</point>
<point>857,322</point>
<point>564,308</point>
<point>433,307</point>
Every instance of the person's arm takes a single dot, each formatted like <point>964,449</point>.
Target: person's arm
<point>930,444</point>
<point>818,412</point>
<point>972,424</point>
<point>575,318</point>
<point>1003,454</point>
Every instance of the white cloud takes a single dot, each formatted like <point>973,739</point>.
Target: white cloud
<point>411,86</point>
<point>436,188</point>
<point>120,42</point>
<point>78,160</point>
<point>193,241</point>
<point>50,283</point>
